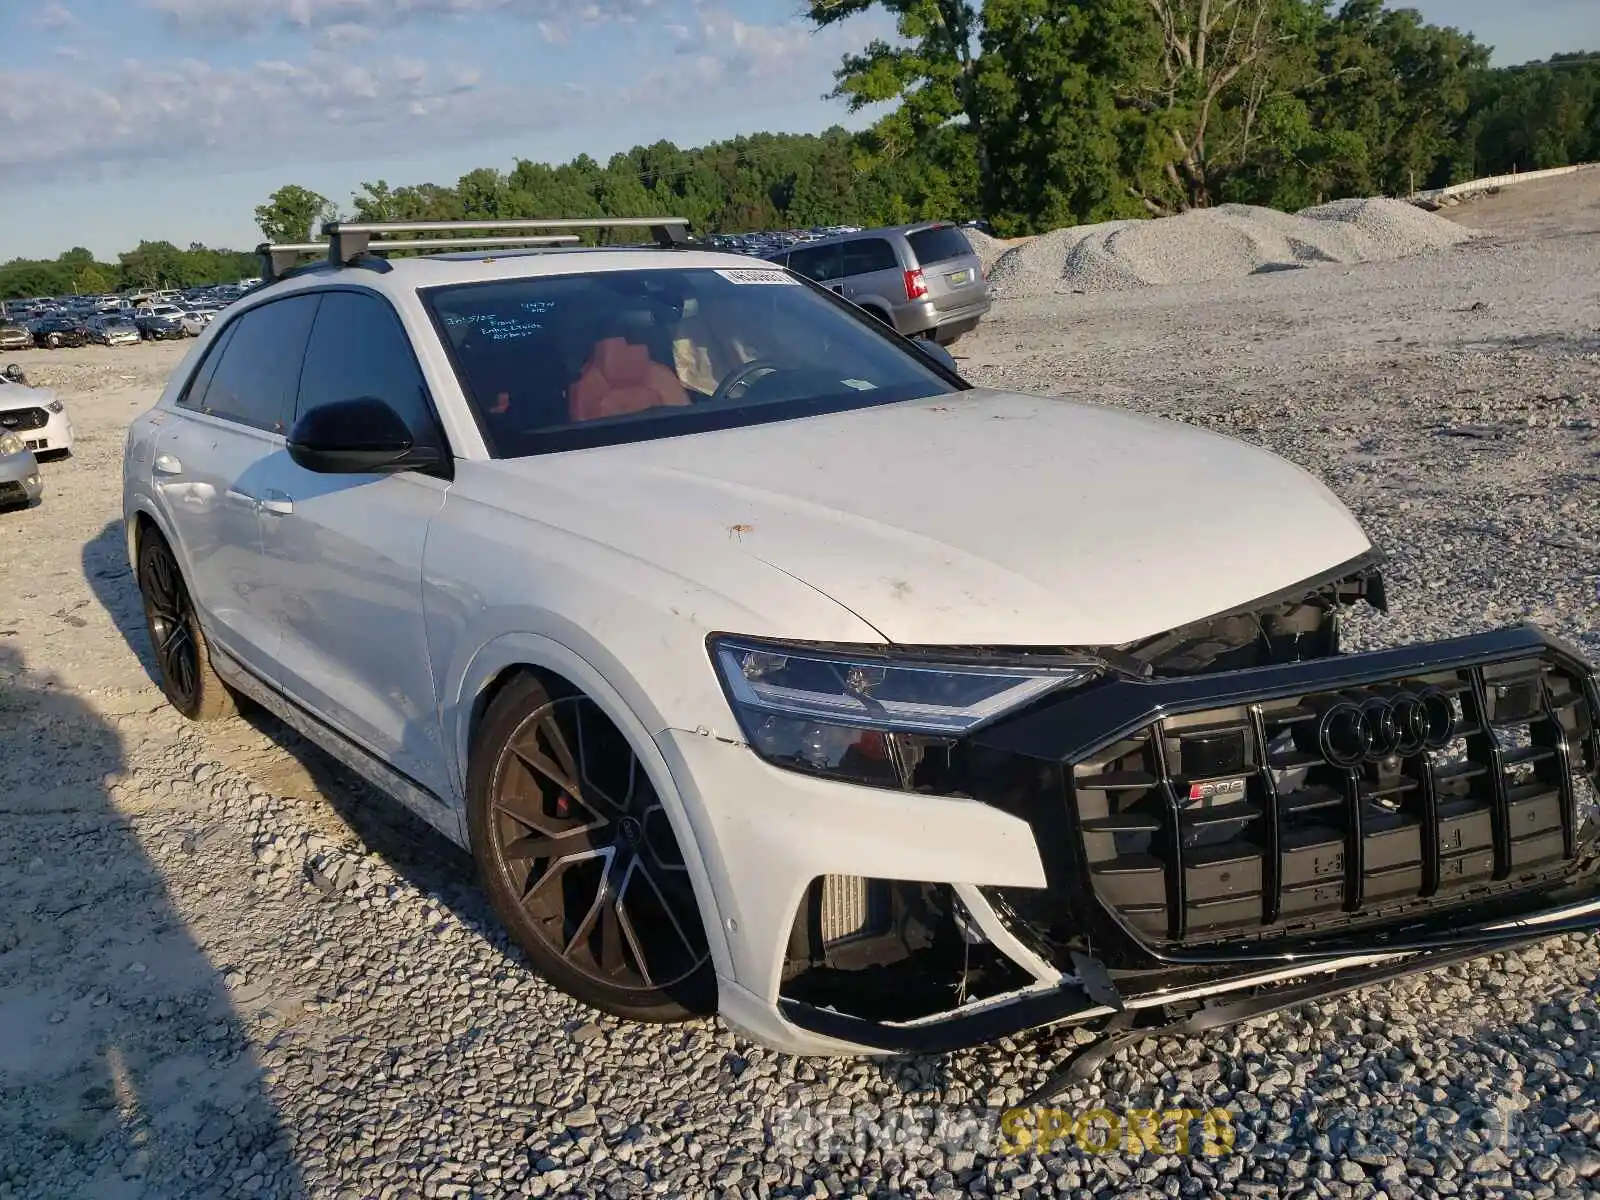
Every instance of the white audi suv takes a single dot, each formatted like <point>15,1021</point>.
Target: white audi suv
<point>768,667</point>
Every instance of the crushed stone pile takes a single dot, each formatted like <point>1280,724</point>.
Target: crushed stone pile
<point>1218,243</point>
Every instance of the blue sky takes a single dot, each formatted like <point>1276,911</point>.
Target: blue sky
<point>122,119</point>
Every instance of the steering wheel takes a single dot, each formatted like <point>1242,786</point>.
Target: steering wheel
<point>742,375</point>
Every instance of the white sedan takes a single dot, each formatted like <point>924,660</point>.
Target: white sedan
<point>768,667</point>
<point>196,321</point>
<point>37,416</point>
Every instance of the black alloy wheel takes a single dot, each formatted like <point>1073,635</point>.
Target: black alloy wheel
<point>183,662</point>
<point>580,860</point>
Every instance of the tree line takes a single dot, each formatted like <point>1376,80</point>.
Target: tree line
<point>1040,113</point>
<point>1085,110</point>
<point>1033,114</point>
<point>150,265</point>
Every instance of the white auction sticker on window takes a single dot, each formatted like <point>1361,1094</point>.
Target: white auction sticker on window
<point>758,275</point>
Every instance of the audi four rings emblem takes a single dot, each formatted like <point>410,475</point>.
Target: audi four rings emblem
<point>1366,729</point>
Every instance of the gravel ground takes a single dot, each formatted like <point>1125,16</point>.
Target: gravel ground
<point>227,969</point>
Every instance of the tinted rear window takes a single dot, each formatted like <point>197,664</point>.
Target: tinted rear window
<point>939,245</point>
<point>868,255</point>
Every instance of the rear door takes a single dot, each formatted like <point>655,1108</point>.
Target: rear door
<point>208,471</point>
<point>952,272</point>
<point>343,553</point>
<point>873,274</point>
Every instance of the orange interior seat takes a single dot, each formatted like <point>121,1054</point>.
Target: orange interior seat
<point>621,378</point>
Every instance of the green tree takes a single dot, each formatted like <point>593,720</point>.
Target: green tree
<point>1065,142</point>
<point>89,280</point>
<point>294,214</point>
<point>933,72</point>
<point>153,265</point>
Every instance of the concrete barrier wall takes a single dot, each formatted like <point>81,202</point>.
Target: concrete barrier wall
<point>1493,181</point>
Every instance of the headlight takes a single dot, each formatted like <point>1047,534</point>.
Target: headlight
<point>10,444</point>
<point>871,716</point>
<point>55,406</point>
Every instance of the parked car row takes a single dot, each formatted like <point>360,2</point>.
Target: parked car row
<point>767,242</point>
<point>154,322</point>
<point>62,321</point>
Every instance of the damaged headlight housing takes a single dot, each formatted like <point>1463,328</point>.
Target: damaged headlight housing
<point>866,715</point>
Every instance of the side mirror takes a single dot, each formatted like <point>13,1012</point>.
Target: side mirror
<point>363,436</point>
<point>936,352</point>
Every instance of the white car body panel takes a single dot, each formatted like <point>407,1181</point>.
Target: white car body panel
<point>201,478</point>
<point>346,552</point>
<point>980,518</point>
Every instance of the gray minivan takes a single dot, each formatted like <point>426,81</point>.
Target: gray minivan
<point>923,279</point>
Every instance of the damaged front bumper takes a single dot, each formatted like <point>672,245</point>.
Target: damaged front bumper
<point>1262,835</point>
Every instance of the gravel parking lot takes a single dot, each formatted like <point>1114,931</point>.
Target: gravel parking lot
<point>228,969</point>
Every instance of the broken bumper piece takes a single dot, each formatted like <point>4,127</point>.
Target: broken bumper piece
<point>1223,844</point>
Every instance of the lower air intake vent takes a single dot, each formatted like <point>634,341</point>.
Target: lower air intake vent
<point>852,908</point>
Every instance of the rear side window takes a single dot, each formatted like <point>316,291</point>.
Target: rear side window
<point>821,263</point>
<point>940,244</point>
<point>259,371</point>
<point>868,255</point>
<point>358,348</point>
<point>194,396</point>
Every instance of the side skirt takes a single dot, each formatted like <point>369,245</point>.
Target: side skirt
<point>419,800</point>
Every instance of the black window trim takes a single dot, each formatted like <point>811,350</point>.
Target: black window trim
<point>209,359</point>
<point>577,438</point>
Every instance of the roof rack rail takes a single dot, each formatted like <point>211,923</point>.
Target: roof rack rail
<point>358,243</point>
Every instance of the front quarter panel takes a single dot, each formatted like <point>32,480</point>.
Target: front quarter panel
<point>502,589</point>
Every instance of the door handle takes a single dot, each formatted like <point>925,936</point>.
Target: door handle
<point>280,503</point>
<point>166,464</point>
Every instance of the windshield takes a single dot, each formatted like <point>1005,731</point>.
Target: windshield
<point>562,362</point>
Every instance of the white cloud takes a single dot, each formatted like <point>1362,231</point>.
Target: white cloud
<point>54,16</point>
<point>769,64</point>
<point>77,124</point>
<point>89,118</point>
<point>234,18</point>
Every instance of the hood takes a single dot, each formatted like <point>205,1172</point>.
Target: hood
<point>16,395</point>
<point>982,518</point>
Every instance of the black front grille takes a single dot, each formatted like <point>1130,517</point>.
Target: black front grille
<point>12,492</point>
<point>18,419</point>
<point>1225,822</point>
<point>1205,818</point>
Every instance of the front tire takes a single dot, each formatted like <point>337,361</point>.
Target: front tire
<point>183,660</point>
<point>579,859</point>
